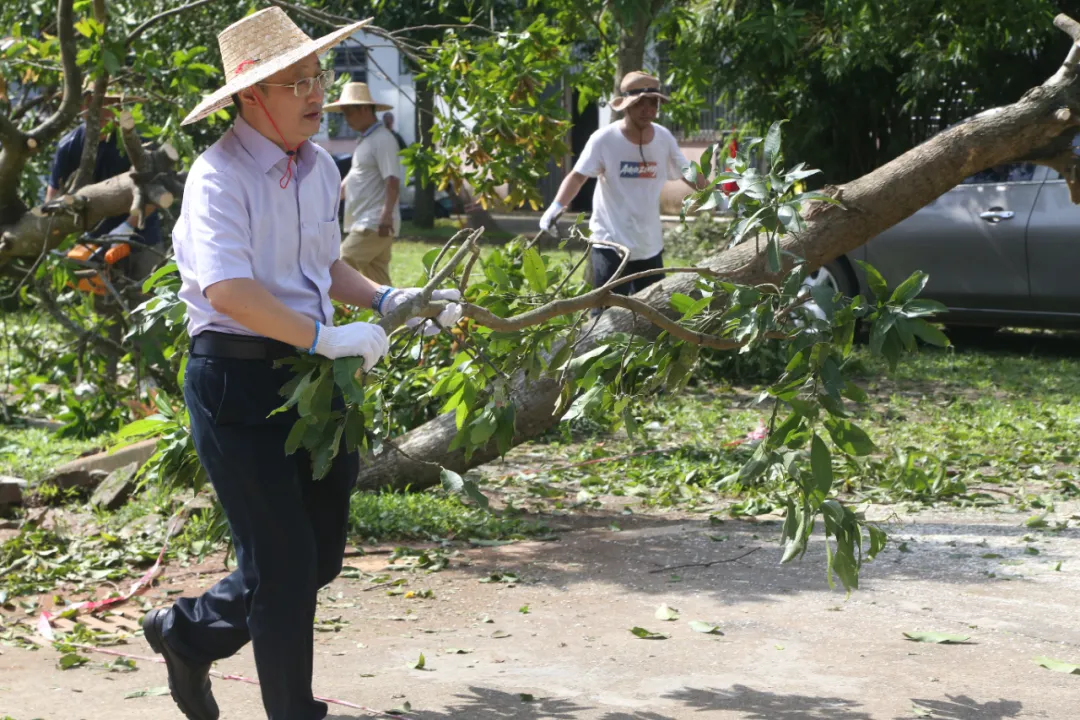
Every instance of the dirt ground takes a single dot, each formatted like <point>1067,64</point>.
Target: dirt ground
<point>790,649</point>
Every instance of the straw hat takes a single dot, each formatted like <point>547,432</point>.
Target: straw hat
<point>258,46</point>
<point>355,93</point>
<point>635,86</point>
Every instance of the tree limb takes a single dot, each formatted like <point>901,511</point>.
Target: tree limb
<point>140,29</point>
<point>47,131</point>
<point>92,139</point>
<point>872,203</point>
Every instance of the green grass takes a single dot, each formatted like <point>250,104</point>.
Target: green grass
<point>446,228</point>
<point>407,261</point>
<point>30,453</point>
<point>430,516</point>
<point>980,427</point>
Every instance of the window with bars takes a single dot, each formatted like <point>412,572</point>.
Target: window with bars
<point>350,62</point>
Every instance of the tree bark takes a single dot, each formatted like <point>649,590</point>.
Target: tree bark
<point>149,181</point>
<point>424,198</point>
<point>1039,128</point>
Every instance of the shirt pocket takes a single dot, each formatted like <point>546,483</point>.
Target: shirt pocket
<point>329,242</point>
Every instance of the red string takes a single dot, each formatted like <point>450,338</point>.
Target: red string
<point>291,152</point>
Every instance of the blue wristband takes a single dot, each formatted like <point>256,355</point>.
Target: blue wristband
<point>386,290</point>
<point>318,327</point>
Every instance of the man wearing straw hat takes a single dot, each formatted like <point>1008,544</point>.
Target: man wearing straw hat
<point>257,247</point>
<point>371,187</point>
<point>633,159</point>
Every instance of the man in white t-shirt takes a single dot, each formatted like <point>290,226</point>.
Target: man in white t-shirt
<point>632,158</point>
<point>371,188</point>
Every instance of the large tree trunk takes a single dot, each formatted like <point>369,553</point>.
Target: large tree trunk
<point>633,40</point>
<point>424,199</point>
<point>1040,127</point>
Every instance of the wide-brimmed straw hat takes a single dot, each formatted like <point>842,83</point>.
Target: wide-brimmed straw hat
<point>258,46</point>
<point>355,93</point>
<point>634,86</point>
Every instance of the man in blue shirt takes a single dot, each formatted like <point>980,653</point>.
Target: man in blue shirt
<point>110,163</point>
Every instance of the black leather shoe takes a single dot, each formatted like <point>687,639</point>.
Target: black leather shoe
<point>188,683</point>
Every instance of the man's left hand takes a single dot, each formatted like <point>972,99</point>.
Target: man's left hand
<point>449,317</point>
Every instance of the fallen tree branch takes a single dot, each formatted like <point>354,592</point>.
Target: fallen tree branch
<point>707,564</point>
<point>871,204</point>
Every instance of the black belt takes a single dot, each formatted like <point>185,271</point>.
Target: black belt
<point>240,347</point>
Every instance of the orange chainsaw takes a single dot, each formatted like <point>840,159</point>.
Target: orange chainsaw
<point>87,254</point>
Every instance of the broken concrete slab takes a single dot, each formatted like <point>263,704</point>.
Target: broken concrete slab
<point>115,489</point>
<point>80,473</point>
<point>11,490</point>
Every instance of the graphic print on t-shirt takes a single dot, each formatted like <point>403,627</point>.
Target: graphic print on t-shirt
<point>637,170</point>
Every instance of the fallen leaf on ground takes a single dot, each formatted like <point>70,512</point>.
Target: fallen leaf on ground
<point>665,612</point>
<point>936,637</point>
<point>704,627</point>
<point>648,634</point>
<point>1058,666</point>
<point>151,692</point>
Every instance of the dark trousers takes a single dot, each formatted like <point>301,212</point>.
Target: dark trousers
<point>605,262</point>
<point>288,530</point>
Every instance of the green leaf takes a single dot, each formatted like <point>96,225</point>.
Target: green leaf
<point>451,481</point>
<point>111,63</point>
<point>323,458</point>
<point>773,141</point>
<point>535,273</point>
<point>774,255</point>
<point>704,627</point>
<point>648,634</point>
<point>151,692</point>
<point>151,282</point>
<point>821,464</point>
<point>936,637</point>
<point>919,308</point>
<point>823,296</point>
<point>345,377</point>
<point>928,333</point>
<point>472,490</point>
<point>910,288</point>
<point>1058,666</point>
<point>666,613</point>
<point>296,435</point>
<point>354,431</point>
<point>848,437</point>
<point>71,660</point>
<point>877,283</point>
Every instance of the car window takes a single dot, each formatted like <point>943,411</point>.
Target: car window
<point>1005,173</point>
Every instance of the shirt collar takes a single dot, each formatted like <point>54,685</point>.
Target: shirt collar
<point>266,153</point>
<point>373,128</point>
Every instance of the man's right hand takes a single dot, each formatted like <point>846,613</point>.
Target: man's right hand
<point>551,216</point>
<point>358,339</point>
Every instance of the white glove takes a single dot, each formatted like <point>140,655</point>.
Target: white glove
<point>358,339</point>
<point>551,215</point>
<point>447,318</point>
<point>123,229</point>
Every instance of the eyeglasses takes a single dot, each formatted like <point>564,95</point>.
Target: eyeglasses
<point>303,88</point>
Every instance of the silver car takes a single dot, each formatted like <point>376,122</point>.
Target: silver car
<point>1002,248</point>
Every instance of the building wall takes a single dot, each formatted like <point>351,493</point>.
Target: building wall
<point>390,83</point>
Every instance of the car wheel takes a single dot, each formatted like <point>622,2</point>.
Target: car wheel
<point>833,275</point>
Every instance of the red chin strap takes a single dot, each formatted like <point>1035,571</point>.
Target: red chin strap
<point>291,152</point>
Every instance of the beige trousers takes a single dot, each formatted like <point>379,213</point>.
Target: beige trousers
<point>368,253</point>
